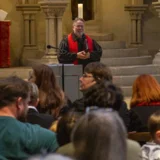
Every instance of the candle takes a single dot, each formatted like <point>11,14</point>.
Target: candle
<point>80,10</point>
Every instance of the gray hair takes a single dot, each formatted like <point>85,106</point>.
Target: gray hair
<point>101,133</point>
<point>34,92</point>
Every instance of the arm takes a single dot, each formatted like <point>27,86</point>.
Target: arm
<point>38,139</point>
<point>64,56</point>
<point>97,52</point>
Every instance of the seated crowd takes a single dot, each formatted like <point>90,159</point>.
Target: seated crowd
<point>38,119</point>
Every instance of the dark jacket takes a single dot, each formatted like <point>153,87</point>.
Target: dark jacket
<point>139,116</point>
<point>66,57</point>
<point>78,105</point>
<point>44,120</point>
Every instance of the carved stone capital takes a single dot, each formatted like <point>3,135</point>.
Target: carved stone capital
<point>136,15</point>
<point>156,5</point>
<point>53,8</point>
<point>136,8</point>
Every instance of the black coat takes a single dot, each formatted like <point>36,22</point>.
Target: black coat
<point>44,120</point>
<point>139,116</point>
<point>78,105</point>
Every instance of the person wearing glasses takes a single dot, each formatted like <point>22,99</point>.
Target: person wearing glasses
<point>94,74</point>
<point>78,47</point>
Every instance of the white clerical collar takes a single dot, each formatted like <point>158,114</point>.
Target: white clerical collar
<point>32,107</point>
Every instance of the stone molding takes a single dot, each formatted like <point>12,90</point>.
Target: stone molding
<point>136,12</point>
<point>156,5</point>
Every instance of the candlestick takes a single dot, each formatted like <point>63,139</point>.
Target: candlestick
<point>80,10</point>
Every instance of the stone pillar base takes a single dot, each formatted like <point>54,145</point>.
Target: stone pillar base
<point>30,52</point>
<point>156,59</point>
<point>135,45</point>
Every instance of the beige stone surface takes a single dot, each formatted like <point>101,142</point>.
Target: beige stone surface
<point>110,17</point>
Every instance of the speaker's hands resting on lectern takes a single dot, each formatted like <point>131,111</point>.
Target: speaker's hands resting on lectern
<point>83,55</point>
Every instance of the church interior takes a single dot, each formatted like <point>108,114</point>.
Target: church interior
<point>127,30</point>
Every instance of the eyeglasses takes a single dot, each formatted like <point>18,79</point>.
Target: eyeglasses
<point>86,76</point>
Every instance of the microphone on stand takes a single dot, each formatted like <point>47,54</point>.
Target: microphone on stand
<point>49,47</point>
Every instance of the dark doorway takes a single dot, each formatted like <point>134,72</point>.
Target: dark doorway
<point>87,9</point>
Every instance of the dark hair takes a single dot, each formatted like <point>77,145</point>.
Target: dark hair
<point>154,123</point>
<point>99,71</point>
<point>65,126</point>
<point>100,135</point>
<point>50,93</point>
<point>104,94</point>
<point>11,88</point>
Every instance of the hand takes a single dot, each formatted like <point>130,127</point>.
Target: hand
<point>83,55</point>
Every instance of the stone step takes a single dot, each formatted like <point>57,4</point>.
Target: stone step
<point>101,36</point>
<point>127,61</point>
<point>127,91</point>
<point>128,80</point>
<point>113,53</point>
<point>135,70</point>
<point>112,44</point>
<point>22,72</point>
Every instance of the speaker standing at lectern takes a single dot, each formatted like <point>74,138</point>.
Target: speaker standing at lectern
<point>79,48</point>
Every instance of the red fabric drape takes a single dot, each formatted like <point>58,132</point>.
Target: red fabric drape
<point>5,43</point>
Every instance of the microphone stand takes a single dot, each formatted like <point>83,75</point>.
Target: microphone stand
<point>62,75</point>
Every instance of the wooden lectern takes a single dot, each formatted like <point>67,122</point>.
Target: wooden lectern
<point>5,44</point>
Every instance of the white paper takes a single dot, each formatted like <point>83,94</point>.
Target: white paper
<point>3,15</point>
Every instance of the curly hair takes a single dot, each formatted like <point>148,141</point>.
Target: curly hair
<point>104,94</point>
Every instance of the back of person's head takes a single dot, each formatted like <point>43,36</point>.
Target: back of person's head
<point>100,135</point>
<point>65,126</point>
<point>99,71</point>
<point>34,94</point>
<point>12,88</point>
<point>50,157</point>
<point>50,95</point>
<point>45,77</point>
<point>104,94</point>
<point>145,89</point>
<point>154,126</point>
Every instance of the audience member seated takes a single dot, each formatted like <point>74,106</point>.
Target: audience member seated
<point>109,97</point>
<point>151,150</point>
<point>145,100</point>
<point>100,135</point>
<point>51,97</point>
<point>33,116</point>
<point>96,72</point>
<point>20,140</point>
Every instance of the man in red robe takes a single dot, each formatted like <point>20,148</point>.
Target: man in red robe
<point>79,48</point>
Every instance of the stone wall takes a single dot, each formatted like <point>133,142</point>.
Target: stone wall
<point>110,15</point>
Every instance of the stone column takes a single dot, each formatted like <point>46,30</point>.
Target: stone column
<point>29,10</point>
<point>136,11</point>
<point>54,10</point>
<point>156,5</point>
